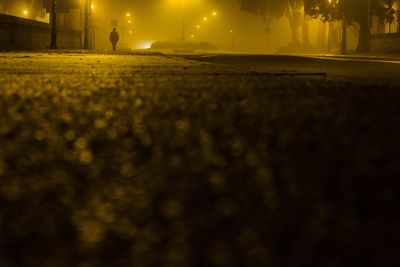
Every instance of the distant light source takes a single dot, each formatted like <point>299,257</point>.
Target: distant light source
<point>25,12</point>
<point>214,13</point>
<point>205,18</point>
<point>144,45</point>
<point>130,32</point>
<point>129,21</point>
<point>192,36</point>
<point>128,14</point>
<point>198,26</point>
<point>92,6</point>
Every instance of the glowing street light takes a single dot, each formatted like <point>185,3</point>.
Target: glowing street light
<point>25,12</point>
<point>128,14</point>
<point>333,2</point>
<point>214,13</point>
<point>205,18</point>
<point>198,27</point>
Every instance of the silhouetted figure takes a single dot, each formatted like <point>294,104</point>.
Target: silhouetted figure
<point>114,38</point>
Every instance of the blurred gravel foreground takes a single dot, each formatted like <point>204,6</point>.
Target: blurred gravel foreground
<point>152,160</point>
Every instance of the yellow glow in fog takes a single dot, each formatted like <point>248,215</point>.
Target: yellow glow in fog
<point>144,45</point>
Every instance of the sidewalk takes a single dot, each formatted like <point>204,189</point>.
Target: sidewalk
<point>377,57</point>
<point>154,160</point>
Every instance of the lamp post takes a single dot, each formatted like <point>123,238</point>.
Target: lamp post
<point>86,42</point>
<point>183,21</point>
<point>53,18</point>
<point>232,38</point>
<point>343,49</point>
<point>369,25</point>
<point>92,24</point>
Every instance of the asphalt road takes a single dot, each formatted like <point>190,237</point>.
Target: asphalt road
<point>165,160</point>
<point>381,69</point>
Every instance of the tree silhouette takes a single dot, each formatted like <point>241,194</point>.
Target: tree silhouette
<point>353,10</point>
<point>292,9</point>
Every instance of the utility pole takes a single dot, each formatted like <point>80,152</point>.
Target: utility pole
<point>53,18</point>
<point>86,33</point>
<point>183,21</point>
<point>93,35</point>
<point>343,49</point>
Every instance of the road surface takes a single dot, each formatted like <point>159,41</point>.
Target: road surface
<point>162,160</point>
<point>355,68</point>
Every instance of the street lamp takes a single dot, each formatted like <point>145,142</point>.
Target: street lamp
<point>343,48</point>
<point>232,38</point>
<point>86,37</point>
<point>53,21</point>
<point>92,28</point>
<point>183,21</point>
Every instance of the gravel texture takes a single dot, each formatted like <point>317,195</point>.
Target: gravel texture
<point>152,160</point>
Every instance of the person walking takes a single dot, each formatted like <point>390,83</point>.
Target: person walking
<point>114,38</point>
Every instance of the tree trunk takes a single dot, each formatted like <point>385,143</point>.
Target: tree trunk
<point>321,38</point>
<point>363,39</point>
<point>305,31</point>
<point>293,28</point>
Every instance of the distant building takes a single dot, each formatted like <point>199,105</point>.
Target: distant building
<point>25,24</point>
<point>385,28</point>
<point>387,18</point>
<point>69,11</point>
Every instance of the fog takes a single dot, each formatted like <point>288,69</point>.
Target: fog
<point>203,24</point>
<point>161,20</point>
